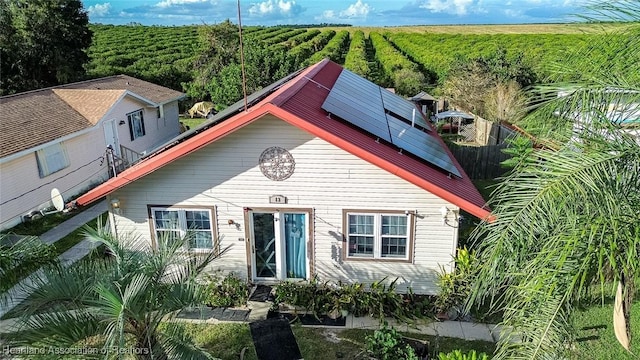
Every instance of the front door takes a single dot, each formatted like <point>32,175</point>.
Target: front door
<point>279,245</point>
<point>111,136</point>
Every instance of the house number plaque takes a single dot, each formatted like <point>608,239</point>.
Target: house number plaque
<point>277,199</point>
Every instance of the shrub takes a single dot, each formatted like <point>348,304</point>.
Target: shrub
<point>455,286</point>
<point>228,292</point>
<point>459,355</point>
<point>378,299</point>
<point>387,344</point>
<point>308,295</point>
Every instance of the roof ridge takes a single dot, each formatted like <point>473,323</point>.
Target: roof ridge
<point>79,107</point>
<point>28,92</point>
<point>285,93</point>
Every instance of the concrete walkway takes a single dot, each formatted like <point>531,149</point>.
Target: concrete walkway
<point>453,329</point>
<point>21,290</point>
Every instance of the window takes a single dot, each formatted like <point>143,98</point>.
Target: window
<point>172,224</point>
<point>51,159</point>
<point>136,124</point>
<point>377,235</point>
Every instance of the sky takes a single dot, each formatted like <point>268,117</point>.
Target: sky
<point>354,12</point>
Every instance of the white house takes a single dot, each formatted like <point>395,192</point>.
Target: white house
<point>325,174</point>
<point>619,107</point>
<point>57,137</point>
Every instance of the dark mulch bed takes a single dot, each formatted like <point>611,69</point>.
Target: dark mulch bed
<point>274,340</point>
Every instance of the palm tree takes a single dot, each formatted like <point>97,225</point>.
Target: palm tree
<point>567,219</point>
<point>118,305</point>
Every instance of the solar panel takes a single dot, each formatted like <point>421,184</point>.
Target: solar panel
<point>359,102</point>
<point>387,116</point>
<point>402,107</point>
<point>420,144</point>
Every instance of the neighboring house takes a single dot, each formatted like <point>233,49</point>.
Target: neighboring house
<point>57,137</point>
<point>324,175</point>
<point>622,110</point>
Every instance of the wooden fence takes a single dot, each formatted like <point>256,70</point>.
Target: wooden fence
<point>481,162</point>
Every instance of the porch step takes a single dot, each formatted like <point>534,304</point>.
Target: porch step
<point>259,310</point>
<point>261,293</point>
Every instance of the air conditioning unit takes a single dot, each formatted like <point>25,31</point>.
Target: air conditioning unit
<point>33,215</point>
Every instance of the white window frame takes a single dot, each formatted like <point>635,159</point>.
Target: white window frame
<point>378,236</point>
<point>133,117</point>
<point>52,159</point>
<point>182,229</point>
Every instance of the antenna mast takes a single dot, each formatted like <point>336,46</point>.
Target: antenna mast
<point>244,79</point>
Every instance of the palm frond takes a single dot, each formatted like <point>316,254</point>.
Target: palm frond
<point>178,344</point>
<point>57,328</point>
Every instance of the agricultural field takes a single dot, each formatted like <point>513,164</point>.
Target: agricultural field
<point>165,55</point>
<point>490,29</point>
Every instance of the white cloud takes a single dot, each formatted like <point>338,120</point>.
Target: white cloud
<point>458,7</point>
<point>358,9</point>
<point>273,7</point>
<point>169,3</point>
<point>354,11</point>
<point>99,10</point>
<point>327,15</point>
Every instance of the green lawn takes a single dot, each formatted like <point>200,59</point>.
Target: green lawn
<point>486,187</point>
<point>42,225</point>
<point>595,338</point>
<point>226,341</point>
<point>192,123</point>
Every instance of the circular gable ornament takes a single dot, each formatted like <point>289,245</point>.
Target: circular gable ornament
<point>277,163</point>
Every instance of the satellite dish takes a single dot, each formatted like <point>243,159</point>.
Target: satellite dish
<point>57,200</point>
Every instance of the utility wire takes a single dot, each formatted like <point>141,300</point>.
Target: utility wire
<point>56,179</point>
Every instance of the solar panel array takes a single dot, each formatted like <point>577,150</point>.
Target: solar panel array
<point>358,101</point>
<point>398,105</point>
<point>420,144</point>
<point>386,116</point>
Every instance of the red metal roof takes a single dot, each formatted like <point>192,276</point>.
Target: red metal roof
<point>299,103</point>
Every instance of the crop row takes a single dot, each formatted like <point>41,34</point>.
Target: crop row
<point>335,49</point>
<point>306,49</point>
<point>356,59</point>
<point>261,31</point>
<point>284,36</point>
<point>391,59</point>
<point>300,38</point>
<point>436,52</point>
<point>164,54</point>
<point>267,35</point>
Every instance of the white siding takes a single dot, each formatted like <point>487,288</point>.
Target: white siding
<point>20,176</point>
<point>157,130</point>
<point>225,174</point>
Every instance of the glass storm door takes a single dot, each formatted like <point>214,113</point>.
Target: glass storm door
<point>279,245</point>
<point>264,245</point>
